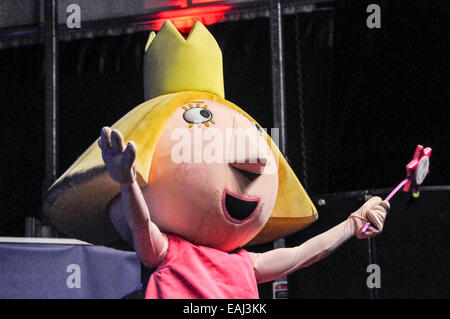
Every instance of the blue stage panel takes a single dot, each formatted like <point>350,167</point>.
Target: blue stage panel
<point>50,270</point>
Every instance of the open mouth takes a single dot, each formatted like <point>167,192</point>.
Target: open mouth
<point>238,208</point>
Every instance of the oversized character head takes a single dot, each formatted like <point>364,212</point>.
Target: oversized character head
<point>207,170</point>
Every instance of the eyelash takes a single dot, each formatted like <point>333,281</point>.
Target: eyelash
<point>260,130</point>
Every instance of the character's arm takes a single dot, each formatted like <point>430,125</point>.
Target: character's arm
<point>283,261</point>
<point>149,242</point>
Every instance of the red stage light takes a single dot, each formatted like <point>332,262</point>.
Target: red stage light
<point>204,1</point>
<point>183,19</point>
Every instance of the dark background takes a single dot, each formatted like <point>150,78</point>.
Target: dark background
<point>369,97</point>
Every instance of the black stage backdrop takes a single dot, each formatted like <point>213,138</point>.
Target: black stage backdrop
<point>369,97</point>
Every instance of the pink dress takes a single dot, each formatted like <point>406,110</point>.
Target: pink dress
<point>198,272</point>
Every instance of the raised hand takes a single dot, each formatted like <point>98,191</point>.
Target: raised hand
<point>119,160</point>
<point>373,211</point>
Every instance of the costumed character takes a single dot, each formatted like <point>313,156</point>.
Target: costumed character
<point>189,215</point>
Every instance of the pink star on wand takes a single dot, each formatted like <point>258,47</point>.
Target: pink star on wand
<point>417,169</point>
<point>416,172</point>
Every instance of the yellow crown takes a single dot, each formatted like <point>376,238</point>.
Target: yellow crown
<point>174,64</point>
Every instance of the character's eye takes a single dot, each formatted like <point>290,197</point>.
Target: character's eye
<point>260,130</point>
<point>197,115</point>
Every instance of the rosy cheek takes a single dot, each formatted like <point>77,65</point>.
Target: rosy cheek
<point>191,175</point>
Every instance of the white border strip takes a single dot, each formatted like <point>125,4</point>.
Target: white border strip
<point>42,240</point>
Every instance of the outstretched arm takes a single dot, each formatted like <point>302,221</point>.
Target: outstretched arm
<point>149,242</point>
<point>283,261</point>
